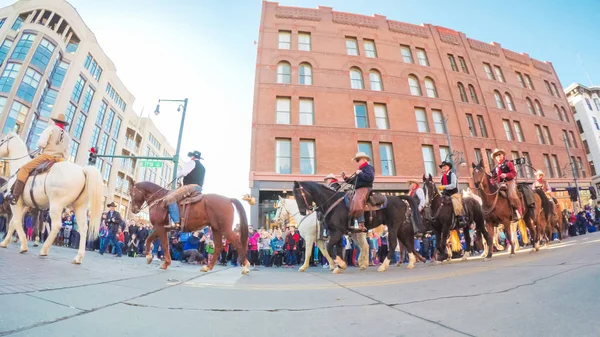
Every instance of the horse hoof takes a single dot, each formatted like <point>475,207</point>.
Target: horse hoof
<point>35,244</point>
<point>381,268</point>
<point>3,245</point>
<point>487,259</point>
<point>22,251</point>
<point>148,259</point>
<point>302,269</point>
<point>464,258</point>
<point>363,267</point>
<point>245,271</point>
<point>336,271</point>
<point>164,266</point>
<point>512,255</point>
<point>205,269</point>
<point>75,261</point>
<point>331,268</point>
<point>437,263</point>
<point>410,266</point>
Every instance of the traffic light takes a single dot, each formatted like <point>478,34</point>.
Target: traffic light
<point>92,157</point>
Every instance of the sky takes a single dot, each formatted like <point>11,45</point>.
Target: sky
<point>204,50</point>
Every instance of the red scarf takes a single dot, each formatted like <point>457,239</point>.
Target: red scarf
<point>60,125</point>
<point>363,165</point>
<point>445,178</point>
<point>412,192</point>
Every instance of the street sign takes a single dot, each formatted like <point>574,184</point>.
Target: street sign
<point>151,163</point>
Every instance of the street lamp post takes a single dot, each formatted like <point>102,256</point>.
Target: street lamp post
<point>451,153</point>
<point>176,156</point>
<point>574,170</point>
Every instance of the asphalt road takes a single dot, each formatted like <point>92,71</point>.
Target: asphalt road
<point>554,292</point>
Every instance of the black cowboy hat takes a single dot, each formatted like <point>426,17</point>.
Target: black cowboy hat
<point>445,163</point>
<point>112,204</point>
<point>196,154</point>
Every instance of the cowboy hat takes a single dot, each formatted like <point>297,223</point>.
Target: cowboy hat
<point>112,204</point>
<point>412,181</point>
<point>445,163</point>
<point>60,119</point>
<point>360,155</point>
<point>539,172</point>
<point>196,154</point>
<point>497,152</point>
<point>330,176</point>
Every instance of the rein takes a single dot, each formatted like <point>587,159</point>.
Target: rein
<point>495,194</point>
<point>146,203</point>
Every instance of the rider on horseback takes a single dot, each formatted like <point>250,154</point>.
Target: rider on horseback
<point>541,183</point>
<point>363,183</point>
<point>192,173</point>
<point>417,192</point>
<point>505,174</point>
<point>449,187</point>
<point>54,147</point>
<point>332,182</point>
<point>334,185</point>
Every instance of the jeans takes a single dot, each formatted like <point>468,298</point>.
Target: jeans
<point>174,209</point>
<point>291,257</point>
<point>102,244</point>
<point>112,240</point>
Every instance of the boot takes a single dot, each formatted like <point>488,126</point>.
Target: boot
<point>462,221</point>
<point>515,215</point>
<point>17,190</point>
<point>324,233</point>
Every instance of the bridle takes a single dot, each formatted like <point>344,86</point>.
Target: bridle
<point>146,203</point>
<point>479,185</point>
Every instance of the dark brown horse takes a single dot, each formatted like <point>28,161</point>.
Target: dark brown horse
<point>438,214</point>
<point>498,210</point>
<point>213,210</point>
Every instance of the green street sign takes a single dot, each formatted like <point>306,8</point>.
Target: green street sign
<point>151,163</point>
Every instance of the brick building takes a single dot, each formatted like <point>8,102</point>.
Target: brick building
<point>330,83</point>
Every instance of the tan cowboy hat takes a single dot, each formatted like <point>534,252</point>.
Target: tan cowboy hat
<point>330,176</point>
<point>497,152</point>
<point>539,172</point>
<point>60,119</point>
<point>412,181</point>
<point>360,155</point>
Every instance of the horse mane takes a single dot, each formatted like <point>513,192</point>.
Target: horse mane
<point>546,205</point>
<point>153,188</point>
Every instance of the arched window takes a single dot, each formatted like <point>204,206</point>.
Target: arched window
<point>413,83</point>
<point>284,73</point>
<point>375,79</point>
<point>509,102</point>
<point>305,74</point>
<point>538,108</point>
<point>560,116</point>
<point>499,101</point>
<point>463,93</point>
<point>430,88</point>
<point>356,79</point>
<point>565,113</point>
<point>473,94</point>
<point>529,106</point>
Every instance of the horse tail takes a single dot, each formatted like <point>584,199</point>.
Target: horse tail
<point>93,186</point>
<point>414,207</point>
<point>455,241</point>
<point>243,229</point>
<point>523,230</point>
<point>546,205</point>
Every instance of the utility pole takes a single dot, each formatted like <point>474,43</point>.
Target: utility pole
<point>574,170</point>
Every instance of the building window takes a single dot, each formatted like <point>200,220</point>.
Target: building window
<point>463,64</point>
<point>8,76</point>
<point>538,108</point>
<point>17,24</point>
<point>106,172</point>
<point>509,102</point>
<point>47,104</point>
<point>478,156</point>
<point>284,73</point>
<point>499,74</point>
<point>463,94</point>
<point>438,122</point>
<point>307,157</point>
<point>548,88</point>
<point>87,99</point>
<point>471,123</point>
<point>558,112</point>
<point>152,140</point>
<point>555,166</point>
<point>499,102</point>
<point>580,128</point>
<point>103,143</point>
<point>360,115</point>
<point>452,62</point>
<point>306,108</point>
<point>587,101</point>
<point>529,106</point>
<point>566,137</point>
<point>488,71</point>
<point>351,46</point>
<point>304,41</point>
<point>430,87</point>
<point>305,74</point>
<point>540,137</point>
<point>528,82</point>
<point>375,79</point>
<point>366,148</point>
<point>370,48</point>
<point>515,155</point>
<point>586,146</point>
<point>78,89</point>
<point>101,113</point>
<point>507,129</point>
<point>283,156</point>
<point>473,94</point>
<point>548,166</point>
<point>4,49</point>
<point>555,90</point>
<point>428,159</point>
<point>519,131</point>
<point>356,80</point>
<point>444,153</point>
<point>73,151</point>
<point>283,115</point>
<point>488,154</point>
<point>381,118</point>
<point>596,103</point>
<point>573,139</point>
<point>117,128</point>
<point>23,46</point>
<point>109,121</point>
<point>566,117</point>
<point>42,55</point>
<point>69,115</point>
<point>421,117</point>
<point>422,57</point>
<point>58,74</point>
<point>16,117</point>
<point>520,79</point>
<point>285,39</point>
<point>528,169</point>
<point>406,54</point>
<point>95,136</point>
<point>29,85</point>
<point>413,83</point>
<point>595,123</point>
<point>482,127</point>
<point>79,125</point>
<point>386,156</point>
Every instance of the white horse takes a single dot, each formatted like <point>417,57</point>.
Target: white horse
<point>309,229</point>
<point>65,184</point>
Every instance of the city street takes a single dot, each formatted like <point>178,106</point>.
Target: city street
<point>551,293</point>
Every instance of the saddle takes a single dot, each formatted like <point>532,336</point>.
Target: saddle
<point>183,196</point>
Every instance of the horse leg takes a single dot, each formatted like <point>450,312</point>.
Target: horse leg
<point>55,217</point>
<point>218,242</point>
<point>149,241</point>
<point>323,249</point>
<point>536,231</point>
<point>9,233</point>
<point>81,213</point>
<point>409,244</point>
<point>335,240</point>
<point>392,233</point>
<point>443,244</point>
<point>509,238</point>
<point>164,243</point>
<point>485,235</point>
<point>363,258</point>
<point>310,236</point>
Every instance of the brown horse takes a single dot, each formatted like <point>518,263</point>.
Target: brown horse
<point>498,210</point>
<point>556,220</point>
<point>212,210</point>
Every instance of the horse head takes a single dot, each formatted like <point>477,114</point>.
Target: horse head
<point>479,174</point>
<point>138,197</point>
<point>281,211</point>
<point>303,196</point>
<point>5,146</point>
<point>431,192</point>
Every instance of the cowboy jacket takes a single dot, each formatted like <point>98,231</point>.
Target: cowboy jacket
<point>55,141</point>
<point>449,181</point>
<point>365,178</point>
<point>507,167</point>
